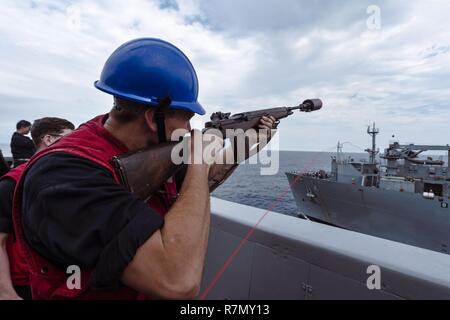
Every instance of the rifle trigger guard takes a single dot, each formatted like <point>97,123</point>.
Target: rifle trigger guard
<point>275,124</point>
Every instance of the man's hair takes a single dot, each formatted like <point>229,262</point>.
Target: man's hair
<point>51,126</point>
<point>126,111</point>
<point>23,124</point>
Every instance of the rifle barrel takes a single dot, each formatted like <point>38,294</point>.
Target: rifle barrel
<point>310,105</point>
<point>295,108</point>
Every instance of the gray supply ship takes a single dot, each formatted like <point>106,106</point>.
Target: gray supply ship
<point>404,199</point>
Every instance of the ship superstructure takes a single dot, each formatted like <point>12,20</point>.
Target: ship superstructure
<point>402,196</point>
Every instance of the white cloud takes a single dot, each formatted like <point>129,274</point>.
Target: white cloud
<point>248,54</point>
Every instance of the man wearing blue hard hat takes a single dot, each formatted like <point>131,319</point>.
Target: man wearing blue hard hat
<point>71,210</point>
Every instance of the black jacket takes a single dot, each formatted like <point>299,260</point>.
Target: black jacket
<point>74,213</point>
<point>22,147</point>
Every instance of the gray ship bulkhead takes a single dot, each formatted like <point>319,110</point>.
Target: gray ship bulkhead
<point>290,258</point>
<point>399,216</point>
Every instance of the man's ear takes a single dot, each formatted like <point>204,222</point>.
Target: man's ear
<point>150,121</point>
<point>46,141</point>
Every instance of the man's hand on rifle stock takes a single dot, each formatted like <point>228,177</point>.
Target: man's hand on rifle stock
<point>264,131</point>
<point>200,143</point>
<point>267,125</point>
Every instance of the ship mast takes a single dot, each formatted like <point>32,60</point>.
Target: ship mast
<point>339,151</point>
<point>373,152</point>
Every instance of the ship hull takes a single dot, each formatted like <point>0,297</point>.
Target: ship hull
<point>398,216</point>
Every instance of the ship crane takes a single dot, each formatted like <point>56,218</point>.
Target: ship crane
<point>410,153</point>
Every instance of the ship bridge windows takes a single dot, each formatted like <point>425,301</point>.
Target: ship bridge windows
<point>437,189</point>
<point>432,171</point>
<point>370,181</point>
<point>357,166</point>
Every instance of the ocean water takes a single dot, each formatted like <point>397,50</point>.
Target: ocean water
<point>247,185</point>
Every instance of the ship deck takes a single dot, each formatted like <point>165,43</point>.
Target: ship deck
<point>284,257</point>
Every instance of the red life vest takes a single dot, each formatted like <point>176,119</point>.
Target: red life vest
<point>93,142</point>
<point>17,263</point>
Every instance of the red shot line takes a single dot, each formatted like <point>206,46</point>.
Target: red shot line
<point>236,251</point>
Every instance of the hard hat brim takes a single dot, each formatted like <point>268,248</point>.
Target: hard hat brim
<point>152,101</point>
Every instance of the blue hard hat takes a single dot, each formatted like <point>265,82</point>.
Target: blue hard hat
<point>147,70</point>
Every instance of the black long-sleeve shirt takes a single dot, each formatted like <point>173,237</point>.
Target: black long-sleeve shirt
<point>6,197</point>
<point>74,213</point>
<point>4,167</point>
<point>22,147</point>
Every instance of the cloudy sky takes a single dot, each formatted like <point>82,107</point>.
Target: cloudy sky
<point>249,54</point>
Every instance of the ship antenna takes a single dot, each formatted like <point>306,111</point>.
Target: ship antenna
<point>373,152</point>
<point>339,151</point>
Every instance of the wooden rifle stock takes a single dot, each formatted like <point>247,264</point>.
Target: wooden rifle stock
<point>144,172</point>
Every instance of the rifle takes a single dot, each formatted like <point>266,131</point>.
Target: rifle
<point>249,120</point>
<point>144,172</point>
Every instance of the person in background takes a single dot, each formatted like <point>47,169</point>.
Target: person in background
<point>14,279</point>
<point>22,147</point>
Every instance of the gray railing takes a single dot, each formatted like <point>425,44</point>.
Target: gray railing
<point>289,258</point>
